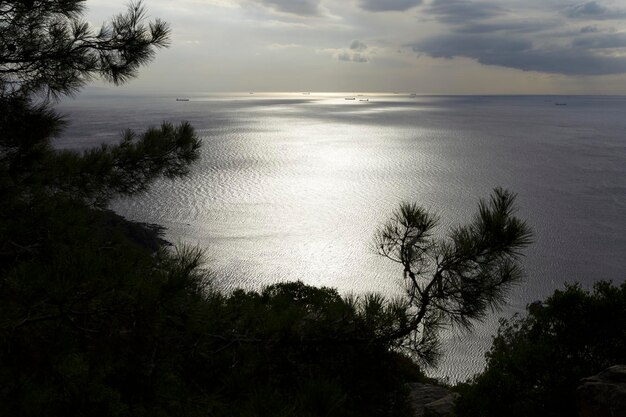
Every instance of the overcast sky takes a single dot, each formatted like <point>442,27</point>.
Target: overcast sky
<point>421,46</point>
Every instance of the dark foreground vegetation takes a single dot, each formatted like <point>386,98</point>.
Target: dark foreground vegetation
<point>99,317</point>
<point>95,324</point>
<point>536,362</point>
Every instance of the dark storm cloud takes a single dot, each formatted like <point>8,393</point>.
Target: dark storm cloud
<point>509,27</point>
<point>492,35</point>
<point>521,54</point>
<point>476,46</point>
<point>297,7</point>
<point>594,11</point>
<point>388,5</point>
<point>460,11</point>
<point>617,40</point>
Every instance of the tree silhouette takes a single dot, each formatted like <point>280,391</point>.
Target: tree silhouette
<point>97,319</point>
<point>82,291</point>
<point>45,47</point>
<point>46,52</point>
<point>456,279</point>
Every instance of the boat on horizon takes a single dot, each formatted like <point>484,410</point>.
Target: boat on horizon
<point>182,99</point>
<point>350,98</point>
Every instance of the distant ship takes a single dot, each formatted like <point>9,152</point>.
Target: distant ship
<point>182,99</point>
<point>350,98</point>
<point>365,99</point>
<point>560,104</point>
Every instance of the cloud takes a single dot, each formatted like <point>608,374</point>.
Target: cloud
<point>521,54</point>
<point>281,46</point>
<point>353,57</point>
<point>388,5</point>
<point>358,46</point>
<point>617,40</point>
<point>460,11</point>
<point>492,35</point>
<point>357,52</point>
<point>589,29</point>
<point>594,11</point>
<point>505,26</point>
<point>586,10</point>
<point>296,7</point>
<point>475,46</point>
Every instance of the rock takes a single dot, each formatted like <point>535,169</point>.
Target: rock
<point>442,407</point>
<point>431,400</point>
<point>603,395</point>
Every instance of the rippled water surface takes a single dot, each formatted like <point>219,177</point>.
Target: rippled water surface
<point>292,186</point>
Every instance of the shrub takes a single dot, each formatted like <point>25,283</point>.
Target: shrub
<point>536,362</point>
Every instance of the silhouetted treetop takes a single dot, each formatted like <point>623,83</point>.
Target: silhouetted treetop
<point>45,46</point>
<point>46,49</point>
<point>456,279</point>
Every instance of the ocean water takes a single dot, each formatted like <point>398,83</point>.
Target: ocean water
<point>293,186</point>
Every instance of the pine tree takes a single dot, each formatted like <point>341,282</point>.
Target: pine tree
<point>46,52</point>
<point>453,280</point>
<point>46,48</point>
<point>82,290</point>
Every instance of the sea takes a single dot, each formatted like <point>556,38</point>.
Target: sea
<point>293,186</point>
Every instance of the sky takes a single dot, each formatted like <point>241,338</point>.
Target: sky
<point>413,46</point>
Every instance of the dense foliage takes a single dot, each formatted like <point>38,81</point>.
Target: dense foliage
<point>94,324</point>
<point>536,362</point>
